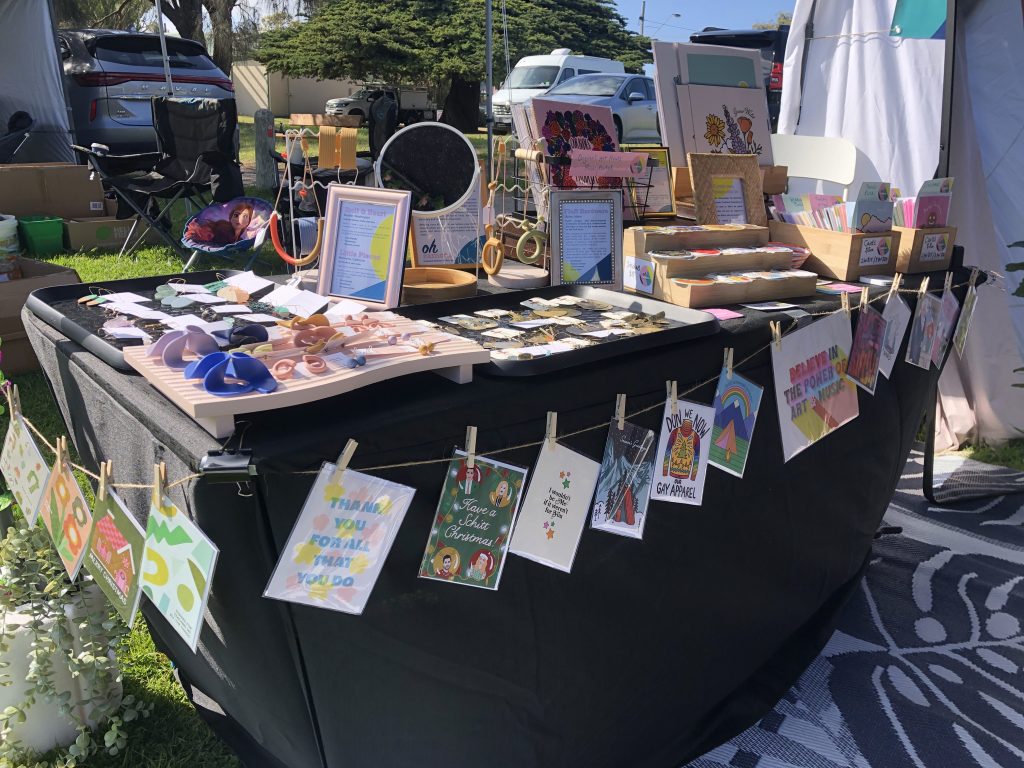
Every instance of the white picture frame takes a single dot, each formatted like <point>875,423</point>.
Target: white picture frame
<point>366,231</point>
<point>584,223</point>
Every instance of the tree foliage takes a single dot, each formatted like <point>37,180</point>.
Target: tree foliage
<point>109,14</point>
<point>781,18</point>
<point>441,41</point>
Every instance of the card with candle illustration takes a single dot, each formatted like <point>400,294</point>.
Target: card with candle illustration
<point>473,524</point>
<point>24,469</point>
<point>340,540</point>
<point>684,447</point>
<point>555,507</point>
<point>66,516</point>
<point>624,483</point>
<point>737,401</point>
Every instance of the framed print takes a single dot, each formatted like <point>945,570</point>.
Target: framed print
<point>651,196</point>
<point>586,237</point>
<point>562,128</point>
<point>727,189</point>
<point>365,236</point>
<point>729,121</point>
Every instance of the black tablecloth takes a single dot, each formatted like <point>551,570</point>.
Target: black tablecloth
<point>649,653</point>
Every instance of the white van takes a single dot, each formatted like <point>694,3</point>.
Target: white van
<point>533,75</point>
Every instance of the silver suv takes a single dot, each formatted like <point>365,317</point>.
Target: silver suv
<point>111,76</point>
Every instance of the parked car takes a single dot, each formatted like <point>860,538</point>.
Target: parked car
<point>772,45</point>
<point>630,97</point>
<point>532,75</point>
<point>414,104</point>
<point>110,78</point>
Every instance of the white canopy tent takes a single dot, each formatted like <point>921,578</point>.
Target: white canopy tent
<point>31,79</point>
<point>845,75</point>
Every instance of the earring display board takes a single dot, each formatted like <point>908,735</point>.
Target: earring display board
<point>727,189</point>
<point>586,238</point>
<point>365,233</point>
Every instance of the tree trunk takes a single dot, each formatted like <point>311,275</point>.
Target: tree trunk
<point>462,105</point>
<point>187,18</point>
<point>220,19</point>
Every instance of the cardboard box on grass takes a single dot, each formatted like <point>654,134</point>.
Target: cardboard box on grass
<point>18,356</point>
<point>50,189</point>
<point>107,232</point>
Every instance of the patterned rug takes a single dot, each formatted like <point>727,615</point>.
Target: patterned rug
<point>926,669</point>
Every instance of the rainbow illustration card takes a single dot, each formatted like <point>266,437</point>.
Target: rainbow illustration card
<point>178,572</point>
<point>24,469</point>
<point>737,401</point>
<point>339,542</point>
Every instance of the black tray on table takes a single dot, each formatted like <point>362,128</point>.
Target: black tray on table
<point>685,324</point>
<point>58,306</point>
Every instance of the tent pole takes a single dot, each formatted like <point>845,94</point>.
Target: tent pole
<point>489,55</point>
<point>947,91</point>
<point>163,48</point>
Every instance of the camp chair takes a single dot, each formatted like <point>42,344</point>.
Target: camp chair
<point>196,156</point>
<point>204,232</point>
<point>18,128</point>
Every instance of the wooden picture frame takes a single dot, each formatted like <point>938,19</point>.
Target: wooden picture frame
<point>661,187</point>
<point>714,179</point>
<point>366,230</point>
<point>584,223</point>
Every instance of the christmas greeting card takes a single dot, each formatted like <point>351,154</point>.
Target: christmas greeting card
<point>737,401</point>
<point>684,446</point>
<point>114,557</point>
<point>66,516</point>
<point>178,572</point>
<point>555,508</point>
<point>897,317</point>
<point>470,535</point>
<point>624,482</point>
<point>340,540</point>
<point>813,393</point>
<point>867,348</point>
<point>24,469</point>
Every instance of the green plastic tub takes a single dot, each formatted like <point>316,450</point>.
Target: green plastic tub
<point>42,235</point>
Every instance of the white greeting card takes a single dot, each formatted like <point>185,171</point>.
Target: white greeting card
<point>684,447</point>
<point>555,507</point>
<point>897,317</point>
<point>24,469</point>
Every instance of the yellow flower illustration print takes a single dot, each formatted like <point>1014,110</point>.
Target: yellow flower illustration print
<point>715,135</point>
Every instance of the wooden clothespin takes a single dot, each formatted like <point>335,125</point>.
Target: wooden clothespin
<point>673,398</point>
<point>620,411</point>
<point>727,364</point>
<point>159,483</point>
<point>106,467</point>
<point>972,282</point>
<point>895,287</point>
<point>470,447</point>
<point>844,299</point>
<point>948,285</point>
<point>62,453</point>
<point>14,401</point>
<point>924,287</point>
<point>346,455</point>
<point>551,431</point>
<point>776,327</point>
<point>863,298</point>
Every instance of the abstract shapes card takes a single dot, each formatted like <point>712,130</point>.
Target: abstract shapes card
<point>867,348</point>
<point>178,571</point>
<point>470,535</point>
<point>115,555</point>
<point>963,325</point>
<point>555,507</point>
<point>24,469</point>
<point>737,401</point>
<point>684,446</point>
<point>624,483</point>
<point>66,516</point>
<point>897,317</point>
<point>947,322</point>
<point>814,395</point>
<point>922,332</point>
<point>723,120</point>
<point>340,540</point>
<point>565,126</point>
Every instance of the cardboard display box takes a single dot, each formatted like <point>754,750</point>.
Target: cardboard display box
<point>842,255</point>
<point>50,189</point>
<point>103,232</point>
<point>640,240</point>
<point>18,354</point>
<point>925,250</point>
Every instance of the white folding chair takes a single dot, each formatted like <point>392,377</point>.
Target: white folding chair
<point>821,158</point>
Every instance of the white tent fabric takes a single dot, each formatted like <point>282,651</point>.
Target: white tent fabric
<point>884,94</point>
<point>31,79</point>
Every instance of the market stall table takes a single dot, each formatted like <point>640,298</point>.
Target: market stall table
<point>648,654</point>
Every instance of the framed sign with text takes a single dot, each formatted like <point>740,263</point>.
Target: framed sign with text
<point>727,189</point>
<point>586,237</point>
<point>365,235</point>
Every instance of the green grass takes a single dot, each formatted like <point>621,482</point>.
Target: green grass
<point>1010,454</point>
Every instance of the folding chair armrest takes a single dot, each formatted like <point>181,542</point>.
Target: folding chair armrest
<point>99,160</point>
